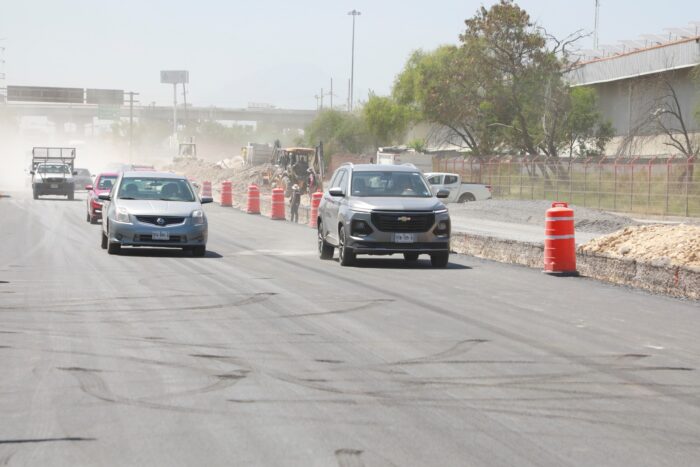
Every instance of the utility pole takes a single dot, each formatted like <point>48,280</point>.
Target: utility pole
<point>354,14</point>
<point>595,25</point>
<point>330,94</point>
<point>131,122</point>
<point>3,85</point>
<point>175,110</point>
<point>184,97</point>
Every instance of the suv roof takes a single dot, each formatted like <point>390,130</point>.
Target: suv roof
<point>152,174</point>
<point>383,168</point>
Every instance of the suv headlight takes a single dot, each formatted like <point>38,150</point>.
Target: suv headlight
<point>443,228</point>
<point>123,216</point>
<point>198,217</point>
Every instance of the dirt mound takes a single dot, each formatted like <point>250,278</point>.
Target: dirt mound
<point>663,245</point>
<point>533,213</point>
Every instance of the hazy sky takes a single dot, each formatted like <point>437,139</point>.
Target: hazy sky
<point>280,52</point>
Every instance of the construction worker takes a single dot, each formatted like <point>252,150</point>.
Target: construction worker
<point>295,200</point>
<point>312,180</point>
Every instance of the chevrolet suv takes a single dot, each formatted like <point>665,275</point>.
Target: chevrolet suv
<point>381,210</point>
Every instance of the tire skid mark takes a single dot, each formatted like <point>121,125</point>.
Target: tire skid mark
<point>93,385</point>
<point>365,306</point>
<point>349,457</point>
<point>459,348</point>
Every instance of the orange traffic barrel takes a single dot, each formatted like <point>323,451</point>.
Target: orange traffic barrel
<point>277,209</point>
<point>559,241</point>
<point>206,190</point>
<point>226,194</point>
<point>253,206</point>
<point>313,215</point>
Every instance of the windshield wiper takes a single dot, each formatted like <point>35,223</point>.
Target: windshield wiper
<point>126,197</point>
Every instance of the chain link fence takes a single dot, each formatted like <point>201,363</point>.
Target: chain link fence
<point>652,185</point>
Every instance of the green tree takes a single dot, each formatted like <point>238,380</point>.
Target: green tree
<point>340,132</point>
<point>386,120</point>
<point>585,132</point>
<point>447,88</point>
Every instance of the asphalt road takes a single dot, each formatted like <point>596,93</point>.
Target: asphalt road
<point>262,354</point>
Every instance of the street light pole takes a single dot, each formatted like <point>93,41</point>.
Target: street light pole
<point>354,14</point>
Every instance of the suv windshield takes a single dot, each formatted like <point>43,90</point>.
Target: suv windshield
<point>393,184</point>
<point>53,169</point>
<point>153,188</point>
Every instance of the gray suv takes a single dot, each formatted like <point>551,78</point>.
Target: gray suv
<point>381,210</point>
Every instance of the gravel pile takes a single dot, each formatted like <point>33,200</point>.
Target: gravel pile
<point>533,213</point>
<point>664,245</point>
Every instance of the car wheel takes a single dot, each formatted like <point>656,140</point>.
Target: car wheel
<point>467,198</point>
<point>93,219</point>
<point>36,195</point>
<point>114,248</point>
<point>325,250</point>
<point>104,240</point>
<point>89,218</point>
<point>440,260</point>
<point>346,255</point>
<point>71,196</point>
<point>199,251</point>
<point>410,256</point>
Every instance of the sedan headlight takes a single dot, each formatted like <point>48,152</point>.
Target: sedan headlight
<point>198,217</point>
<point>123,216</point>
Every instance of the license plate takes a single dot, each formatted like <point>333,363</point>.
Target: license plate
<point>54,185</point>
<point>160,236</point>
<point>404,237</point>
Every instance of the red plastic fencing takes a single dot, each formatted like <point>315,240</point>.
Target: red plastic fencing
<point>664,185</point>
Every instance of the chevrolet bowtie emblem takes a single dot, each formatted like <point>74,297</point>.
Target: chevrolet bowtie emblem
<point>404,219</point>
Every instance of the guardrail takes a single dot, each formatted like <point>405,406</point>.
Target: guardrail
<point>663,185</point>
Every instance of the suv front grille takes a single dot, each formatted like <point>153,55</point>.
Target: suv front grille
<point>154,220</point>
<point>403,221</point>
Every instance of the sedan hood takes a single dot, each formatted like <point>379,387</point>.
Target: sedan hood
<point>158,208</point>
<point>396,204</point>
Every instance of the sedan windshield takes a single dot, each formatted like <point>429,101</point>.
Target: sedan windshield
<point>154,188</point>
<point>393,184</point>
<point>106,182</point>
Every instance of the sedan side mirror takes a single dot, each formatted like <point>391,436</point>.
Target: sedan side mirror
<point>75,172</point>
<point>104,197</point>
<point>206,200</point>
<point>443,194</point>
<point>32,172</point>
<point>336,191</point>
<point>88,187</point>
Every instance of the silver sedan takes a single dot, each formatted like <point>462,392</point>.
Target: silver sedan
<point>153,209</point>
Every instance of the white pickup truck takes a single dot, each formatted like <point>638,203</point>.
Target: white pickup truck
<point>459,192</point>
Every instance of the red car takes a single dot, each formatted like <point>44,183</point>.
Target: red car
<point>103,185</point>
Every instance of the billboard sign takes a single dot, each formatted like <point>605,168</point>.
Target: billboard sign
<point>45,94</point>
<point>104,96</point>
<point>174,76</point>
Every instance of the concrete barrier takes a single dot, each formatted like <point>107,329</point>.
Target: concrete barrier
<point>674,281</point>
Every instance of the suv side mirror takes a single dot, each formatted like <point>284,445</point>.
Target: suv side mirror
<point>104,197</point>
<point>32,172</point>
<point>88,187</point>
<point>443,194</point>
<point>336,191</point>
<point>206,200</point>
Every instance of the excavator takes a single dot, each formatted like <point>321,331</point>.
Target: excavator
<point>295,162</point>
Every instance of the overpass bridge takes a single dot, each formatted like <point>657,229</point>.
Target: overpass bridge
<point>83,114</point>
